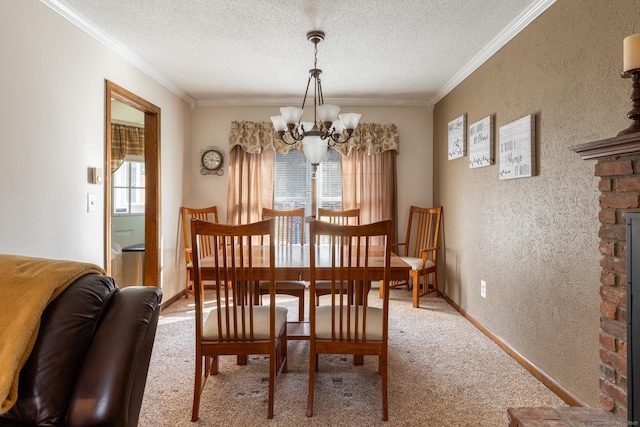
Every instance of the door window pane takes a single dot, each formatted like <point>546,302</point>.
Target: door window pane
<point>128,182</point>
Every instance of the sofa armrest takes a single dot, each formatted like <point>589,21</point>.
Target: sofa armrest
<point>112,379</point>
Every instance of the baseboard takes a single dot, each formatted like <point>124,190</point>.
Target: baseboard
<point>564,394</point>
<point>171,300</point>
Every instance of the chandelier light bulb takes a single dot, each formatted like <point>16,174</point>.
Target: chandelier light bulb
<point>328,112</point>
<point>279,123</point>
<point>350,120</point>
<point>291,115</point>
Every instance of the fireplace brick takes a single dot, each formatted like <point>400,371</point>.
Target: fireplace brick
<point>608,310</point>
<point>620,201</point>
<point>607,341</point>
<point>613,295</point>
<point>628,184</point>
<point>607,403</point>
<point>615,392</point>
<point>614,232</point>
<point>607,278</point>
<point>613,327</point>
<point>607,216</point>
<point>620,265</point>
<point>605,185</point>
<point>607,248</point>
<point>614,168</point>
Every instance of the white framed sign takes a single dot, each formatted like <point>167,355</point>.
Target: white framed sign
<point>481,143</point>
<point>517,148</point>
<point>457,144</point>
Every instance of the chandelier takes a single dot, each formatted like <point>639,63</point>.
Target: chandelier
<point>319,135</point>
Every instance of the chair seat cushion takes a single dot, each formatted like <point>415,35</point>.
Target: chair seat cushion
<point>416,263</point>
<point>284,284</point>
<point>374,322</point>
<point>326,285</point>
<point>260,322</point>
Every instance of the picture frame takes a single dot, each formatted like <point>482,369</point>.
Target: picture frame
<point>457,146</point>
<point>517,149</point>
<point>481,136</point>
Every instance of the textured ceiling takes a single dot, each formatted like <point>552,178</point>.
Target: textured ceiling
<point>376,52</point>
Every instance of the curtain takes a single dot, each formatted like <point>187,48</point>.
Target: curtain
<point>250,185</point>
<point>125,140</point>
<point>369,183</point>
<point>368,170</point>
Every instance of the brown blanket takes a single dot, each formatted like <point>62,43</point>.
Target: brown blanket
<point>27,285</point>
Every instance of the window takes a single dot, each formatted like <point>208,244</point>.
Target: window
<point>292,182</point>
<point>128,188</point>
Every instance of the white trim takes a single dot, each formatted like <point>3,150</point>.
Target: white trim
<point>279,102</point>
<point>128,55</point>
<point>509,32</point>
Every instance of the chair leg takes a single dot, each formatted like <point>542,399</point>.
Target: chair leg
<point>188,290</point>
<point>383,371</point>
<point>272,381</point>
<point>301,306</point>
<point>197,389</point>
<point>313,367</point>
<point>416,288</point>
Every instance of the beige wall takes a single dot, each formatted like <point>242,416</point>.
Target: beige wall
<point>210,126</point>
<point>52,119</point>
<point>535,240</point>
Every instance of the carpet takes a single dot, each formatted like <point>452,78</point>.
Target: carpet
<point>442,372</point>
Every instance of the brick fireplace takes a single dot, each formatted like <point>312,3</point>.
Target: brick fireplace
<point>618,168</point>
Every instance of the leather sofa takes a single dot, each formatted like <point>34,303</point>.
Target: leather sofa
<point>90,361</point>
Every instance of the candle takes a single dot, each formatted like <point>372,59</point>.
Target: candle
<point>631,48</point>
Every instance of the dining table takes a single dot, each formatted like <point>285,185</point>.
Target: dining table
<point>292,262</point>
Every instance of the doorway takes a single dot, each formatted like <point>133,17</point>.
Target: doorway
<point>152,223</point>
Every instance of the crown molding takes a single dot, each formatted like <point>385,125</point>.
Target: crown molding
<point>505,36</point>
<point>108,41</point>
<point>279,102</point>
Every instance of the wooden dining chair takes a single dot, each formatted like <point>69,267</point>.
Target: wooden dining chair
<point>346,217</point>
<point>235,325</point>
<point>209,214</point>
<point>421,251</point>
<point>343,327</point>
<point>289,230</point>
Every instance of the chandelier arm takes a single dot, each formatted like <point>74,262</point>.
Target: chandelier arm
<point>293,137</point>
<point>304,100</point>
<point>333,140</point>
<point>320,96</point>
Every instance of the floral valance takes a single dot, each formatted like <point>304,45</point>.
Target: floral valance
<point>368,138</point>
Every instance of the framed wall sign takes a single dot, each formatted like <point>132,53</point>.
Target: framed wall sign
<point>517,149</point>
<point>457,143</point>
<point>481,143</point>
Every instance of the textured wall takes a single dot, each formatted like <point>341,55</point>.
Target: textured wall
<point>535,240</point>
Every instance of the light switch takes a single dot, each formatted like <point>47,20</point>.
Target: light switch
<point>91,202</point>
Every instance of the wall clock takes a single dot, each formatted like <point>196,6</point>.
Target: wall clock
<point>211,161</point>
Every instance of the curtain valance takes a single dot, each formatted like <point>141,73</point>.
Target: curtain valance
<point>125,140</point>
<point>368,138</point>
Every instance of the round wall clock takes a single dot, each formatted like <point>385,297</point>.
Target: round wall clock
<point>211,161</point>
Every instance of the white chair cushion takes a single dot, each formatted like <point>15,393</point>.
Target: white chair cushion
<point>416,263</point>
<point>260,322</point>
<point>374,322</point>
